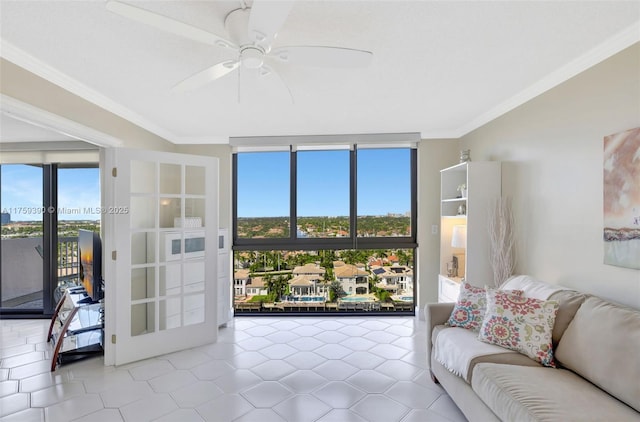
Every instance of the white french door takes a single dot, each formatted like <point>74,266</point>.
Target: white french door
<point>161,253</point>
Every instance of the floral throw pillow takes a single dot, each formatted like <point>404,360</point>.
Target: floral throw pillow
<point>520,323</point>
<point>470,307</point>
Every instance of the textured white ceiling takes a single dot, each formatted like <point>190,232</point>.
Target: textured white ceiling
<point>441,68</point>
<point>13,130</point>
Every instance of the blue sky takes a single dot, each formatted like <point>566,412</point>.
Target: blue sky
<point>263,185</point>
<point>323,183</point>
<point>78,189</point>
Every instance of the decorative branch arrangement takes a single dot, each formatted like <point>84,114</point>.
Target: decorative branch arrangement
<point>502,251</point>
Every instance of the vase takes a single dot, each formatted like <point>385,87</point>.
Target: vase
<point>465,155</point>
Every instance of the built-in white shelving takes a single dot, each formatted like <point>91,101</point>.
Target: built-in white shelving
<point>470,208</point>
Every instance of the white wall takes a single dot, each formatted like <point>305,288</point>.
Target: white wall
<point>552,154</point>
<point>433,155</point>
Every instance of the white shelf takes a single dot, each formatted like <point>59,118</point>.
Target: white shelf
<point>483,183</point>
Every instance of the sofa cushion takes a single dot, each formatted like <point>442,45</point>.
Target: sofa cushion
<point>531,287</point>
<point>521,393</point>
<point>569,301</point>
<point>520,323</point>
<point>470,307</point>
<point>601,344</point>
<point>459,350</point>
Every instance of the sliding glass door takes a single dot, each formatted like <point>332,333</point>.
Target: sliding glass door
<point>43,206</point>
<point>22,244</point>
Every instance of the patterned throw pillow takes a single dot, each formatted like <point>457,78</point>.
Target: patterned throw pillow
<point>470,307</point>
<point>520,323</point>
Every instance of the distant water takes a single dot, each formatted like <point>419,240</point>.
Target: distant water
<point>623,253</point>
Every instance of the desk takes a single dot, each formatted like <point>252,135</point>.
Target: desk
<point>76,329</point>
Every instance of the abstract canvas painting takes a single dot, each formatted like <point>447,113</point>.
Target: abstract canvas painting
<point>622,199</point>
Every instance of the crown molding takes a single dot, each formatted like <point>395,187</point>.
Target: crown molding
<point>36,66</point>
<point>623,39</point>
<point>35,116</point>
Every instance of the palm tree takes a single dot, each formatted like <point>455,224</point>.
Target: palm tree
<point>335,291</point>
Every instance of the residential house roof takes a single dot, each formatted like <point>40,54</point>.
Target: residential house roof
<point>308,269</point>
<point>349,270</point>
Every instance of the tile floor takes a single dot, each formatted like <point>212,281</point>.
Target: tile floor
<point>263,369</point>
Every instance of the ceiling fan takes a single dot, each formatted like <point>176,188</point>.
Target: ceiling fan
<point>251,34</point>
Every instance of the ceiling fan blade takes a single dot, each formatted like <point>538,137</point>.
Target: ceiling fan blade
<point>167,24</point>
<point>266,19</point>
<point>267,70</point>
<point>321,56</point>
<point>205,76</point>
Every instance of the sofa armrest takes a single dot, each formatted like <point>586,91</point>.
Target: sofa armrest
<point>435,314</point>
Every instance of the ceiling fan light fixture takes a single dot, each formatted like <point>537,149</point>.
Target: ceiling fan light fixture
<point>284,56</point>
<point>223,44</point>
<point>252,57</point>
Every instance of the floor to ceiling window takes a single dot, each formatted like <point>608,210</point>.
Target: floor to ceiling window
<point>43,206</point>
<point>22,244</point>
<point>325,229</point>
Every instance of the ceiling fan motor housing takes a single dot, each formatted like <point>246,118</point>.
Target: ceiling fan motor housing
<point>251,57</point>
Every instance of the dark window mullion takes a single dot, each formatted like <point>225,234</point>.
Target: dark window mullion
<point>414,194</point>
<point>234,198</point>
<point>0,245</point>
<point>293,195</point>
<point>353,188</point>
<point>49,236</point>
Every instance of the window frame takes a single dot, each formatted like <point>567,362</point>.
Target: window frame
<point>353,241</point>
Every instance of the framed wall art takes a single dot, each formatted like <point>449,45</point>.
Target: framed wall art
<point>622,199</point>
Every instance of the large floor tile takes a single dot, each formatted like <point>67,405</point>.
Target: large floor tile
<point>73,408</point>
<point>339,395</point>
<point>272,369</point>
<point>302,408</point>
<point>225,408</point>
<point>148,408</point>
<point>267,394</point>
<point>380,408</point>
<point>194,395</point>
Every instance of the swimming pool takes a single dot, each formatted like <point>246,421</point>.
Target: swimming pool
<point>356,299</point>
<point>403,298</point>
<point>307,299</point>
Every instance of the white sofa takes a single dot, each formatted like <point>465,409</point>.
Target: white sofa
<point>597,351</point>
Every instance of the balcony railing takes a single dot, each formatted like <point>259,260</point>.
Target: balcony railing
<point>22,269</point>
<point>68,258</point>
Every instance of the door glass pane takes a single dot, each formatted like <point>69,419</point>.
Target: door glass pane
<point>194,309</point>
<point>193,276</point>
<point>143,212</point>
<point>194,180</point>
<point>143,283</point>
<point>263,194</point>
<point>384,192</point>
<point>323,193</point>
<point>143,248</point>
<point>170,280</point>
<point>170,313</point>
<point>22,236</point>
<point>170,212</point>
<point>170,179</point>
<point>143,177</point>
<point>194,213</point>
<point>142,318</point>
